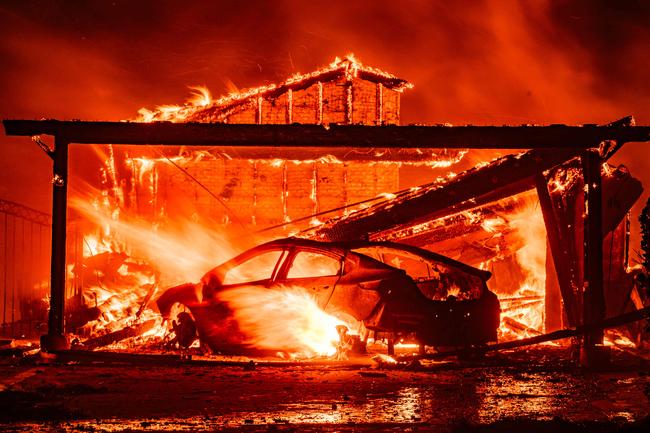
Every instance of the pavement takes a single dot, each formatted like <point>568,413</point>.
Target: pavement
<point>534,390</point>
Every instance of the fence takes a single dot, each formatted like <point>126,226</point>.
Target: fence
<point>25,239</point>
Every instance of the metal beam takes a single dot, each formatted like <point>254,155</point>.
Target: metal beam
<point>479,137</point>
<point>593,295</point>
<point>55,340</point>
<point>21,211</point>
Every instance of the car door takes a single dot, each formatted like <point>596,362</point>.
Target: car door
<point>313,270</point>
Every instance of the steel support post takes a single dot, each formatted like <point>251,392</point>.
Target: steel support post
<point>593,293</point>
<point>55,339</point>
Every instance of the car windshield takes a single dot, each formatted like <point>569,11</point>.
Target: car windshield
<point>436,280</point>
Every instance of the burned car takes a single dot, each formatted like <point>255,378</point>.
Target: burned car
<point>398,292</point>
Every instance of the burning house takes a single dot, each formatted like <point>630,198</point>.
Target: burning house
<point>268,187</point>
<point>319,156</point>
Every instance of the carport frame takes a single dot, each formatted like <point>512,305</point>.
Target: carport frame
<point>589,139</point>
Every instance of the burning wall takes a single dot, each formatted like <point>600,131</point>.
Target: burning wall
<point>267,191</point>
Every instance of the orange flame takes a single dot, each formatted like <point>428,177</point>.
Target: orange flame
<point>529,223</point>
<point>285,318</point>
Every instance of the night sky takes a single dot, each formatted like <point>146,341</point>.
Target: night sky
<point>480,62</point>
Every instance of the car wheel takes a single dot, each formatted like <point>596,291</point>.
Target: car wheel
<point>183,327</point>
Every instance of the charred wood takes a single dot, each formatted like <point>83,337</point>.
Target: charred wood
<point>450,227</point>
<point>612,322</point>
<point>521,299</point>
<point>117,336</point>
<point>560,245</point>
<point>518,326</point>
<point>514,306</point>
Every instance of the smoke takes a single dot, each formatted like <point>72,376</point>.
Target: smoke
<point>479,62</point>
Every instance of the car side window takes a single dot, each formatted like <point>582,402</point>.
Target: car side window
<point>307,264</point>
<point>256,268</point>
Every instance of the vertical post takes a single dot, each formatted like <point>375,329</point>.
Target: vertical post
<point>552,294</point>
<point>593,294</point>
<point>319,110</point>
<point>55,339</point>
<point>348,102</point>
<point>289,115</point>
<point>379,104</point>
<point>258,111</point>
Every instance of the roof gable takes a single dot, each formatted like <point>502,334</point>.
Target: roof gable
<point>202,106</point>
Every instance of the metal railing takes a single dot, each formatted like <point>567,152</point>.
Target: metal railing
<point>25,237</point>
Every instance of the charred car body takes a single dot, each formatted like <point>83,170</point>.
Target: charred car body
<point>399,292</point>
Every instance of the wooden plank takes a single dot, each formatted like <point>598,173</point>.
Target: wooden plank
<point>362,136</point>
<point>442,229</point>
<point>119,335</point>
<point>561,255</point>
<point>553,295</point>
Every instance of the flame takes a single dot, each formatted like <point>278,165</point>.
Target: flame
<point>200,96</point>
<point>564,179</point>
<point>614,338</point>
<point>529,223</point>
<point>492,225</point>
<point>284,318</point>
<point>182,252</point>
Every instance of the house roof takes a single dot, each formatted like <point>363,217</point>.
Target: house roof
<point>202,106</point>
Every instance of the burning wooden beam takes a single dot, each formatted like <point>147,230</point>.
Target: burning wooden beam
<point>560,243</point>
<point>518,326</point>
<point>453,226</point>
<point>503,177</point>
<point>117,336</point>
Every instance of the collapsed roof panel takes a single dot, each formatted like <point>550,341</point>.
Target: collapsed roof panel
<point>500,178</point>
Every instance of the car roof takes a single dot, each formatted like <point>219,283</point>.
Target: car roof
<point>342,247</point>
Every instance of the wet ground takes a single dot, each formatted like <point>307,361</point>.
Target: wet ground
<point>539,389</point>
